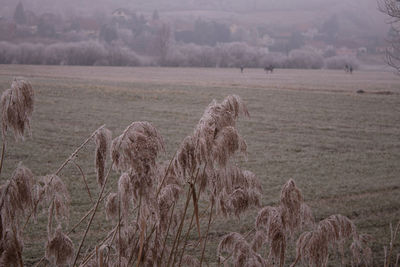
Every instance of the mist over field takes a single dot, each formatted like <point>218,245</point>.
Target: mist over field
<point>224,33</point>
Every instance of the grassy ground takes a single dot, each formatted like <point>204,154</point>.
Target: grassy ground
<point>342,148</point>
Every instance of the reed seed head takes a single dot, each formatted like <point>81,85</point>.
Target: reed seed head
<point>137,148</point>
<point>17,106</point>
<point>60,249</point>
<point>102,140</point>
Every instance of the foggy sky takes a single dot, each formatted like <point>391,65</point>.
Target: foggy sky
<point>363,13</point>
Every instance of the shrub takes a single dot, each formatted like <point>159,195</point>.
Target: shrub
<point>339,62</point>
<point>304,59</point>
<point>8,52</point>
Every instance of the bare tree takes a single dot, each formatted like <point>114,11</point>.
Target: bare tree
<point>162,42</point>
<point>19,14</point>
<point>392,9</point>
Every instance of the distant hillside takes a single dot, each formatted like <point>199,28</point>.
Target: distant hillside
<point>356,18</point>
<point>355,15</point>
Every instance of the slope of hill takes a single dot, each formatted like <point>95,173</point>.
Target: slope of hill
<point>356,15</point>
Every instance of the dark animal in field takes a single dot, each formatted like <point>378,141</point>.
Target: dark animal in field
<point>269,68</point>
<point>241,69</point>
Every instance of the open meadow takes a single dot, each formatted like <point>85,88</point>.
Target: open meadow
<point>341,147</point>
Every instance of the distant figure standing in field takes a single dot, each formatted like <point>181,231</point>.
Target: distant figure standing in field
<point>269,68</point>
<point>241,68</point>
<point>348,68</point>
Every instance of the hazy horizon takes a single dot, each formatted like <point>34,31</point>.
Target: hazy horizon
<point>366,11</point>
<point>327,27</point>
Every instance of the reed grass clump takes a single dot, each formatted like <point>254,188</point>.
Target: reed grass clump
<point>16,201</point>
<point>331,233</point>
<point>150,207</point>
<point>240,250</point>
<point>276,227</point>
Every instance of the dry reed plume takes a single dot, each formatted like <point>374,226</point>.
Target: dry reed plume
<point>236,190</point>
<point>137,148</point>
<point>103,143</point>
<point>53,189</point>
<point>60,249</point>
<point>16,201</point>
<point>112,207</point>
<point>207,139</point>
<point>313,246</point>
<point>17,105</point>
<point>11,249</point>
<point>241,251</point>
<point>17,196</point>
<point>100,258</point>
<point>388,250</point>
<point>275,225</point>
<point>361,251</point>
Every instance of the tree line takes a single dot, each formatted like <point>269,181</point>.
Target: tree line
<point>233,55</point>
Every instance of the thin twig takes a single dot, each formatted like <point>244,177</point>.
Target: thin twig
<point>49,226</point>
<point>193,181</point>
<point>3,151</point>
<point>133,247</point>
<point>86,260</point>
<point>72,156</point>
<point>18,252</point>
<point>230,255</point>
<point>206,235</point>
<point>180,226</point>
<point>50,222</point>
<point>165,175</point>
<point>190,225</point>
<point>148,237</point>
<point>166,234</point>
<point>111,241</point>
<point>40,261</point>
<point>86,215</point>
<point>84,180</point>
<point>186,238</point>
<point>141,242</point>
<point>393,235</point>
<point>119,229</point>
<point>60,168</point>
<point>5,193</point>
<point>93,214</point>
<point>99,198</point>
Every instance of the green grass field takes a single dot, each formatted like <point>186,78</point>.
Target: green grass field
<point>342,148</point>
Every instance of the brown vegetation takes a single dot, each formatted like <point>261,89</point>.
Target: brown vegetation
<point>152,225</point>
